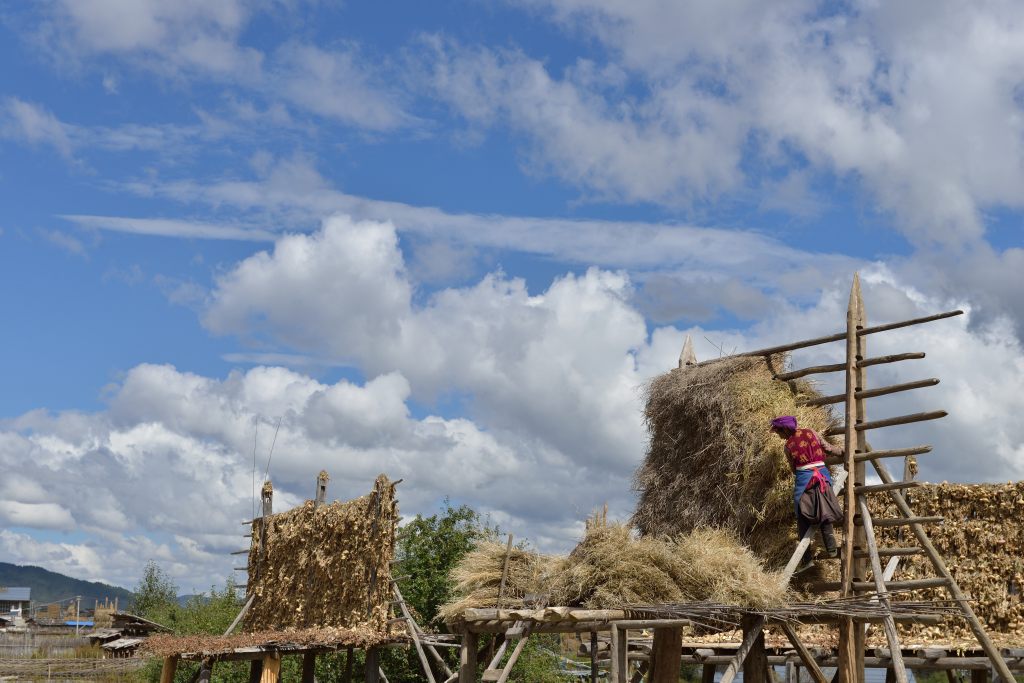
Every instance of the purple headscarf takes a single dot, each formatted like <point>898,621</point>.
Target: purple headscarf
<point>784,422</point>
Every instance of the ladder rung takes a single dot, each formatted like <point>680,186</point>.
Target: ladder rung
<point>914,584</point>
<point>240,552</point>
<point>492,674</point>
<point>878,488</point>
<point>902,521</point>
<point>890,552</point>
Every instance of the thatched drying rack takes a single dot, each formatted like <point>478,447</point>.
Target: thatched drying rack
<point>860,554</point>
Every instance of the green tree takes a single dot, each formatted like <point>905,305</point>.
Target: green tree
<point>156,595</point>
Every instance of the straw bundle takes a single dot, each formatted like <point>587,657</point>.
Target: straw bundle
<point>477,577</point>
<point>324,566</point>
<point>711,460</point>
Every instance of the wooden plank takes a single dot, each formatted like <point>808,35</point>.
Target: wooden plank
<point>271,670</point>
<point>750,635</point>
<point>954,589</point>
<point>805,655</point>
<point>309,667</point>
<point>879,488</point>
<point>169,668</point>
<point>891,637</point>
<point>666,655</point>
<point>467,657</point>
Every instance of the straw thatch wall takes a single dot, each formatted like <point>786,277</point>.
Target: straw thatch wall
<point>711,460</point>
<point>324,566</point>
<point>982,542</point>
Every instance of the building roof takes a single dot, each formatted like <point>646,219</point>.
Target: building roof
<point>15,593</point>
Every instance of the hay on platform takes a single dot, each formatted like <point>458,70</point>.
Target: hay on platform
<point>324,565</point>
<point>711,460</point>
<point>477,578</point>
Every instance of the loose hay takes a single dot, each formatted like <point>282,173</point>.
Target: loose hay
<point>477,578</point>
<point>324,566</point>
<point>711,460</point>
<point>612,567</point>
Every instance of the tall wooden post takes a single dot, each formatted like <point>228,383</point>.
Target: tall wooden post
<point>467,658</point>
<point>267,495</point>
<point>372,672</point>
<point>847,669</point>
<point>619,655</point>
<point>755,666</point>
<point>308,667</point>
<point>271,668</point>
<point>321,488</point>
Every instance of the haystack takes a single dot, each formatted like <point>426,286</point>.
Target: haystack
<point>322,566</point>
<point>711,461</point>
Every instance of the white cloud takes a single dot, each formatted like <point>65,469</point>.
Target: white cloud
<point>26,122</point>
<point>168,227</point>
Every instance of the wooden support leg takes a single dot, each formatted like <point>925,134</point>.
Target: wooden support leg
<point>619,662</point>
<point>979,676</point>
<point>755,666</point>
<point>255,671</point>
<point>708,674</point>
<point>846,670</point>
<point>308,667</point>
<point>752,633</point>
<point>372,672</point>
<point>167,672</point>
<point>805,655</point>
<point>205,671</point>
<point>271,668</point>
<point>666,655</point>
<point>593,657</point>
<point>349,656</point>
<point>467,658</point>
<point>890,675</point>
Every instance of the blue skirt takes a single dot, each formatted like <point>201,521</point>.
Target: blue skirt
<point>802,479</point>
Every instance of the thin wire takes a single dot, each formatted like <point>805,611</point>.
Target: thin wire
<point>255,438</point>
<point>271,455</point>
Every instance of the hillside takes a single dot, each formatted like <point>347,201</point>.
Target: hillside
<point>48,586</point>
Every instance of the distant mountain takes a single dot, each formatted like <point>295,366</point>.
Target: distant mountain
<point>50,586</point>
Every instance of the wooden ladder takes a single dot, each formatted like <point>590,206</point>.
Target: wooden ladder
<point>860,550</point>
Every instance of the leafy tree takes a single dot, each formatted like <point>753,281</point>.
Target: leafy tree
<point>156,596</point>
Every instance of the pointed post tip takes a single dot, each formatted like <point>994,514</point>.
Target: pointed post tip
<point>687,356</point>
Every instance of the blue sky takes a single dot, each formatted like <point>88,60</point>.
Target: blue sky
<point>449,240</point>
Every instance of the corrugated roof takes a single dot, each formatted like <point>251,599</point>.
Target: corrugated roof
<point>15,593</point>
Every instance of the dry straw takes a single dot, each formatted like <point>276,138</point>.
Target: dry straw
<point>711,460</point>
<point>324,566</point>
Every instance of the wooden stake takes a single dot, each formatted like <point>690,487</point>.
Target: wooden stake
<point>687,357</point>
<point>805,655</point>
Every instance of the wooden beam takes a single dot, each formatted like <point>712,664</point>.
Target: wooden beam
<point>619,662</point>
<point>805,655</point>
<point>839,336</point>
<point>755,666</point>
<point>880,587</point>
<point>912,584</point>
<point>666,655</point>
<point>467,657</point>
<point>896,552</point>
<point>411,628</point>
<point>890,422</point>
<point>309,667</point>
<point>752,632</point>
<point>906,521</point>
<point>869,393</point>
<point>874,455</point>
<point>876,488</point>
<point>371,672</point>
<point>839,367</point>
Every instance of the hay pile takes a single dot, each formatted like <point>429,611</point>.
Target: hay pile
<point>711,461</point>
<point>612,567</point>
<point>477,578</point>
<point>982,543</point>
<point>324,566</point>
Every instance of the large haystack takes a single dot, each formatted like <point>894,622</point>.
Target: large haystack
<point>613,567</point>
<point>324,566</point>
<point>711,461</point>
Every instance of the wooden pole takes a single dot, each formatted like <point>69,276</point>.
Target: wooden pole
<point>255,670</point>
<point>860,469</point>
<point>805,655</point>
<point>308,667</point>
<point>892,638</point>
<point>751,633</point>
<point>170,666</point>
<point>349,655</point>
<point>371,673</point>
<point>666,655</point>
<point>467,657</point>
<point>411,626</point>
<point>839,367</point>
<point>755,666</point>
<point>593,657</point>
<point>847,654</point>
<point>619,652</point>
<point>512,658</point>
